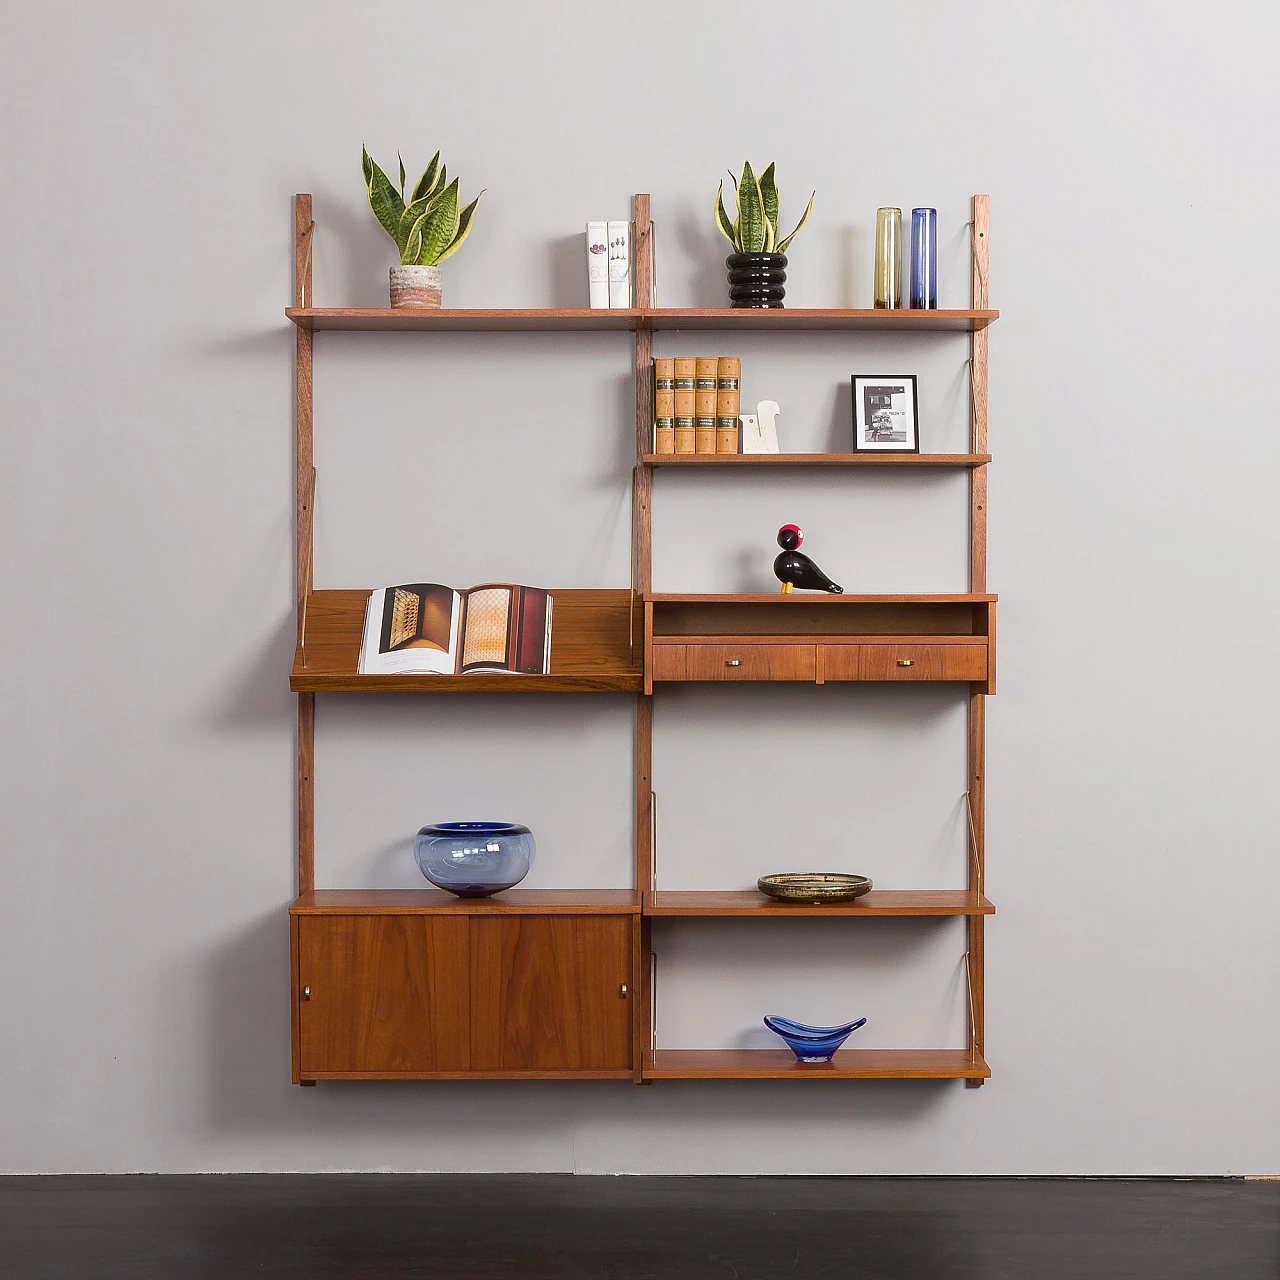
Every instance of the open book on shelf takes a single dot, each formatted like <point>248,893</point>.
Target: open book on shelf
<point>425,628</point>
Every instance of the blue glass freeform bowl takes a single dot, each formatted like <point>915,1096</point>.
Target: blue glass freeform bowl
<point>811,1044</point>
<point>474,859</point>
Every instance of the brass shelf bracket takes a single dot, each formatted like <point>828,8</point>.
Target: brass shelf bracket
<point>310,509</point>
<point>973,846</point>
<point>653,841</point>
<point>653,1002</point>
<point>973,408</point>
<point>631,595</point>
<point>973,1021</point>
<point>977,264</point>
<point>310,234</point>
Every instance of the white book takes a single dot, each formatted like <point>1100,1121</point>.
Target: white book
<point>619,264</point>
<point>598,263</point>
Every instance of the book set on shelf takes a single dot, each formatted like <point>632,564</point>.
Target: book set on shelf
<point>551,984</point>
<point>695,404</point>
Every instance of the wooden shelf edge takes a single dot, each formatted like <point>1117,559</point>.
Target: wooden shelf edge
<point>848,1064</point>
<point>301,681</point>
<point>833,319</point>
<point>464,319</point>
<point>753,460</point>
<point>817,637</point>
<point>570,319</point>
<point>878,904</point>
<point>812,597</point>
<point>436,902</point>
<point>621,1073</point>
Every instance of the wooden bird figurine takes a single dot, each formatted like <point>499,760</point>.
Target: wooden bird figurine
<point>794,569</point>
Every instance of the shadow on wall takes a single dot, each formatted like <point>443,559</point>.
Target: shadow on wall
<point>567,271</point>
<point>705,249</point>
<point>257,697</point>
<point>481,1125</point>
<point>352,254</point>
<point>364,1125</point>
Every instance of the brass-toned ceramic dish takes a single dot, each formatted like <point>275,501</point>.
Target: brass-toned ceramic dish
<point>814,887</point>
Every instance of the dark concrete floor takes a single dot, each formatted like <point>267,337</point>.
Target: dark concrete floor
<point>537,1227</point>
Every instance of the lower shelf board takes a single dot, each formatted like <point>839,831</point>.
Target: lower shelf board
<point>436,902</point>
<point>312,1076</point>
<point>879,902</point>
<point>848,1064</point>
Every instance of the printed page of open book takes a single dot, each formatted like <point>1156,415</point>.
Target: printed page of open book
<point>411,630</point>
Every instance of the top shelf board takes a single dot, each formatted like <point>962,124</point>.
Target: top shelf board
<point>581,319</point>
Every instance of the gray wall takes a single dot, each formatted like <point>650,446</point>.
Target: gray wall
<point>150,153</point>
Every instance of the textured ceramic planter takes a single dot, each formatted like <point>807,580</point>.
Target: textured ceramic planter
<point>756,279</point>
<point>415,286</point>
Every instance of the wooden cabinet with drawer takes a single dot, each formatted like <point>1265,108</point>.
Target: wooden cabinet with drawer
<point>735,662</point>
<point>922,662</point>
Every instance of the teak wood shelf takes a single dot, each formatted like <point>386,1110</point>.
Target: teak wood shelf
<point>848,1064</point>
<point>752,460</point>
<point>593,650</point>
<point>580,319</point>
<point>436,902</point>
<point>877,903</point>
<point>532,984</point>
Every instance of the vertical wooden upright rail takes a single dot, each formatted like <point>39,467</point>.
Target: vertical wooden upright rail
<point>642,571</point>
<point>303,234</point>
<point>978,583</point>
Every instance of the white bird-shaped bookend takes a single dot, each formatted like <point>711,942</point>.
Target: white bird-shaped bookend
<point>760,429</point>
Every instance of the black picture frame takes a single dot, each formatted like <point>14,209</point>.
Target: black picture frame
<point>879,424</point>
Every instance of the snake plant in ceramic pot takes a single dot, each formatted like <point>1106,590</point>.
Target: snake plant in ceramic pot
<point>427,227</point>
<point>758,265</point>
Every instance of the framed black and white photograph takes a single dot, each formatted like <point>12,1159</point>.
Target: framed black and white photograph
<point>885,418</point>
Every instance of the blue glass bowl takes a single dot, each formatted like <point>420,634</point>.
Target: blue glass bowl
<point>811,1044</point>
<point>474,859</point>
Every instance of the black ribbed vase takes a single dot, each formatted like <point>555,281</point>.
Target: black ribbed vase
<point>757,279</point>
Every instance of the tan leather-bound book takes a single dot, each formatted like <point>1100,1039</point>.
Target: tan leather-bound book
<point>728,372</point>
<point>664,388</point>
<point>685,371</point>
<point>704,404</point>
<point>664,406</point>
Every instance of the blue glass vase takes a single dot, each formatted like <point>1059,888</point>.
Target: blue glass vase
<point>924,259</point>
<point>474,859</point>
<point>811,1044</point>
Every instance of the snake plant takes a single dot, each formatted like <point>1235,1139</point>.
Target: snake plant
<point>427,227</point>
<point>756,228</point>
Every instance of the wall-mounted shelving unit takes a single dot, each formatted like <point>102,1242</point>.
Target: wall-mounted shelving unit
<point>560,984</point>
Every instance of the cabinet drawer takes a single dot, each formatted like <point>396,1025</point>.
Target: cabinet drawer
<point>735,662</point>
<point>923,662</point>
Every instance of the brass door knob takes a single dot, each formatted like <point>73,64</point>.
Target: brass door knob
<point>622,991</point>
<point>905,662</point>
<point>733,662</point>
<point>306,993</point>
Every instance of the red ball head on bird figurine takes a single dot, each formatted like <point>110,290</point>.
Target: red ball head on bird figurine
<point>794,569</point>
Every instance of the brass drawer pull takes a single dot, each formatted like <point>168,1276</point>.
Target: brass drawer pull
<point>906,662</point>
<point>623,991</point>
<point>306,993</point>
<point>733,662</point>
